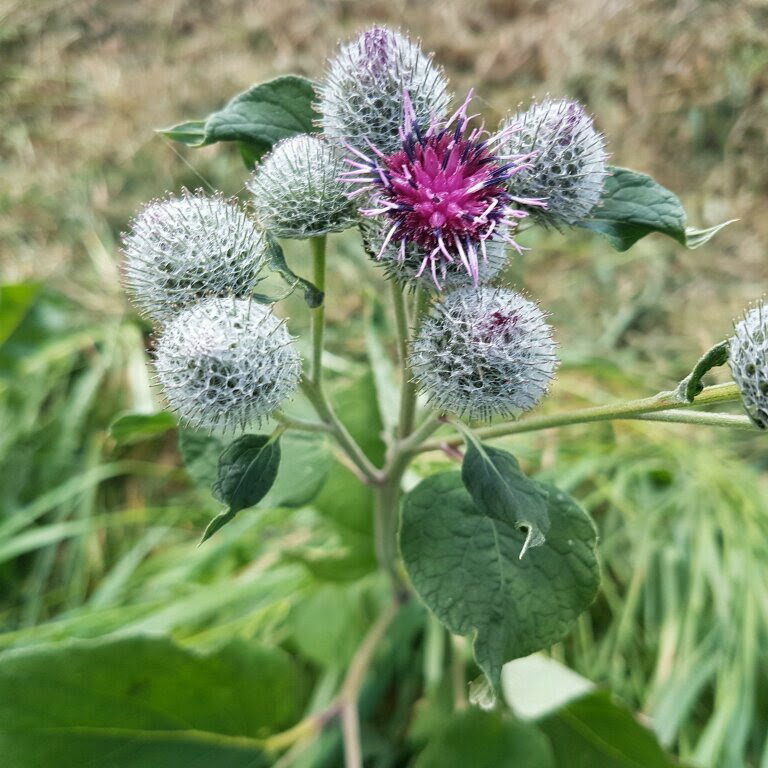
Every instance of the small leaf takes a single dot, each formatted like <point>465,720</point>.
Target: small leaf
<point>691,385</point>
<point>487,740</point>
<point>312,295</point>
<point>498,487</point>
<point>256,119</point>
<point>247,470</point>
<point>191,133</point>
<point>593,731</point>
<point>266,113</point>
<point>130,428</point>
<point>634,205</point>
<point>465,565</point>
<point>304,466</point>
<point>695,238</point>
<point>200,452</point>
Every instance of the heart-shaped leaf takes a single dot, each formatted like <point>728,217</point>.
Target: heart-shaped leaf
<point>465,565</point>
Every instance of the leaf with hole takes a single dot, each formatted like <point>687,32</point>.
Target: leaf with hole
<point>466,567</point>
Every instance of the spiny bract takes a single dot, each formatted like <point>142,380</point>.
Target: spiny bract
<point>566,160</point>
<point>749,363</point>
<point>224,364</point>
<point>484,352</point>
<point>182,249</point>
<point>361,99</point>
<point>403,264</point>
<point>297,191</point>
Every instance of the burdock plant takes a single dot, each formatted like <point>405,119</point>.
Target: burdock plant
<point>494,555</point>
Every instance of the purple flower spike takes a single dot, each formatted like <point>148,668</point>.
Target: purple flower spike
<point>443,191</point>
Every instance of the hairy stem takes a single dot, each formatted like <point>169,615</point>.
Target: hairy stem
<point>408,391</point>
<point>664,401</point>
<point>312,386</point>
<point>300,425</point>
<point>317,318</point>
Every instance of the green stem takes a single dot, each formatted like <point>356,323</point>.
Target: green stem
<point>664,401</point>
<point>698,417</point>
<point>346,442</point>
<point>300,425</point>
<point>312,386</point>
<point>317,321</point>
<point>408,391</point>
<point>386,519</point>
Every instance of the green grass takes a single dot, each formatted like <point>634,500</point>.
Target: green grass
<point>96,538</point>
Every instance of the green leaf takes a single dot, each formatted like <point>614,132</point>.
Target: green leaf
<point>277,262</point>
<point>256,118</point>
<point>466,567</point>
<point>695,238</point>
<point>306,461</point>
<point>593,731</point>
<point>691,385</point>
<point>487,740</point>
<point>144,702</point>
<point>247,470</point>
<point>16,299</point>
<point>130,428</point>
<point>191,133</point>
<point>499,488</point>
<point>200,453</point>
<point>634,205</point>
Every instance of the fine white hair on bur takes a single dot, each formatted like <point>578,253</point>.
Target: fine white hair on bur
<point>566,164</point>
<point>362,96</point>
<point>484,352</point>
<point>297,191</point>
<point>182,249</point>
<point>748,359</point>
<point>402,263</point>
<point>225,364</point>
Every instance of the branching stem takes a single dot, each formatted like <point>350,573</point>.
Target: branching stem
<point>631,409</point>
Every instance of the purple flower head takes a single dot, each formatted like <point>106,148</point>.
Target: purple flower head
<point>443,190</point>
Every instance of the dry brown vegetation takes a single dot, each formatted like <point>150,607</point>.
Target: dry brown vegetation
<point>679,88</point>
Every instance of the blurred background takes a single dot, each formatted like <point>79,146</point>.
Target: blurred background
<point>97,534</point>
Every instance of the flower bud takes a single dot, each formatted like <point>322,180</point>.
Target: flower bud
<point>225,364</point>
<point>182,249</point>
<point>566,167</point>
<point>362,98</point>
<point>748,359</point>
<point>297,191</point>
<point>484,352</point>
